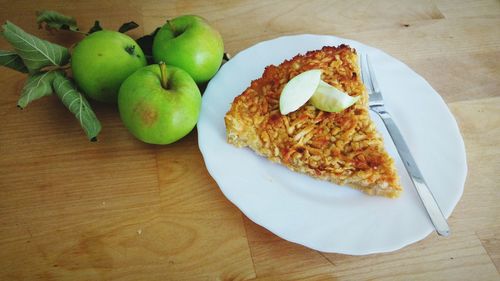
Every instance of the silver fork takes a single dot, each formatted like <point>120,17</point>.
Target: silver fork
<point>376,103</point>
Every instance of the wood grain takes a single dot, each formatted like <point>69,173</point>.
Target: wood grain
<point>119,209</point>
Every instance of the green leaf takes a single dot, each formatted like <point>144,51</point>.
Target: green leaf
<point>225,58</point>
<point>12,60</point>
<point>37,86</point>
<point>55,20</point>
<point>35,52</point>
<point>96,27</point>
<point>78,105</point>
<point>128,26</point>
<point>146,44</point>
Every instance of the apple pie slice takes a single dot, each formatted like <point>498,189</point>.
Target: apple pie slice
<point>343,147</point>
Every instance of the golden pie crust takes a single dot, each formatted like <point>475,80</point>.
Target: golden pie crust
<point>343,147</point>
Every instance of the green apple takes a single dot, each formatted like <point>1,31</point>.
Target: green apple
<point>159,104</point>
<point>190,43</point>
<point>102,61</point>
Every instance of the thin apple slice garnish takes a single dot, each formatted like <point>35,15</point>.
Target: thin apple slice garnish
<point>308,86</point>
<point>330,99</point>
<point>299,90</point>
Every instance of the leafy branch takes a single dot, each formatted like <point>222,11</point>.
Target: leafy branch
<point>37,86</point>
<point>12,60</point>
<point>77,104</point>
<point>34,52</point>
<point>52,20</point>
<point>45,64</point>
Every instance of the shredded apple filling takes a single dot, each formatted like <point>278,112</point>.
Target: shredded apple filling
<point>342,147</point>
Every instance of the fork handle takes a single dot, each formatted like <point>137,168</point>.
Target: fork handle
<point>428,200</point>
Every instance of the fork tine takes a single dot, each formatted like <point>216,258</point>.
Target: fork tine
<point>371,75</point>
<point>365,77</point>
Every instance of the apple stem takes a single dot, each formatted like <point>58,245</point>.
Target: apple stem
<point>170,25</point>
<point>163,70</point>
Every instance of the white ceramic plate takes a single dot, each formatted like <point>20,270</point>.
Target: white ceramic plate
<point>319,214</point>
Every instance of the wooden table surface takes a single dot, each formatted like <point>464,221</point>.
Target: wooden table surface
<point>120,209</point>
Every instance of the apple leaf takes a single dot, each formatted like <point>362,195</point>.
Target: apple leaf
<point>128,26</point>
<point>96,27</point>
<point>77,104</point>
<point>225,58</point>
<point>35,52</point>
<point>37,86</point>
<point>12,60</point>
<point>54,20</point>
<point>146,44</point>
